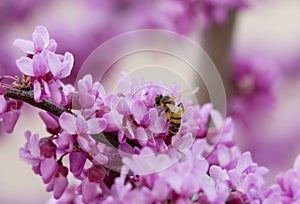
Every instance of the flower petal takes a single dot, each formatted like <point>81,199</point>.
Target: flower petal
<point>40,67</point>
<point>138,109</point>
<point>24,45</point>
<point>77,161</point>
<point>55,64</point>
<point>67,122</point>
<point>217,173</point>
<point>10,119</point>
<point>141,135</point>
<point>60,185</point>
<point>40,38</point>
<point>96,125</point>
<point>37,91</point>
<point>67,65</point>
<point>245,161</point>
<point>25,65</point>
<point>55,90</point>
<point>48,169</point>
<point>3,104</point>
<point>52,45</point>
<point>50,121</point>
<point>100,158</point>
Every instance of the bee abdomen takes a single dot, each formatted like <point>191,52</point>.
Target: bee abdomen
<point>174,129</point>
<point>175,123</point>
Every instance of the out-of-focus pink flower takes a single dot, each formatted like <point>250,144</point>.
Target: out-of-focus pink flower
<point>246,177</point>
<point>31,151</point>
<point>148,162</point>
<point>289,183</point>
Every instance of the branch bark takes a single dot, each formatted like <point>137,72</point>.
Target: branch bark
<point>28,97</point>
<point>217,41</point>
<point>107,138</point>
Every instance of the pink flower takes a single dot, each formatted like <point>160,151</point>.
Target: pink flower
<point>45,67</point>
<point>51,122</point>
<point>60,66</point>
<point>89,91</point>
<point>40,42</point>
<point>289,183</point>
<point>247,178</point>
<point>148,162</point>
<point>35,67</point>
<point>59,182</point>
<point>3,104</point>
<point>84,128</point>
<point>48,169</point>
<point>30,153</point>
<point>9,111</point>
<point>78,125</point>
<point>77,161</point>
<point>124,192</point>
<point>185,177</point>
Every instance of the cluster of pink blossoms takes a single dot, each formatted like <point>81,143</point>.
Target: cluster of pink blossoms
<point>117,149</point>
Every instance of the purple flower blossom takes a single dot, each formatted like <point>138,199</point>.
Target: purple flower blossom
<point>44,67</point>
<point>60,66</point>
<point>289,183</point>
<point>247,178</point>
<point>31,151</point>
<point>197,165</point>
<point>77,161</point>
<point>79,126</point>
<point>3,104</point>
<point>9,113</point>
<point>40,42</point>
<point>89,92</point>
<point>41,154</point>
<point>59,182</point>
<point>148,162</point>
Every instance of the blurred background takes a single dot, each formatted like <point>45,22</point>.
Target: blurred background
<point>254,44</point>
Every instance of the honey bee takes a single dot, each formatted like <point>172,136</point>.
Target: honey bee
<point>173,113</point>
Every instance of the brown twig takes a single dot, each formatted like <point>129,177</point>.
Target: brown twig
<point>28,97</point>
<point>107,138</point>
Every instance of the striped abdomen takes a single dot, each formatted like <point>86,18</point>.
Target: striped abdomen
<point>175,122</point>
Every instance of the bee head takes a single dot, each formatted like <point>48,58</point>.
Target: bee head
<point>158,99</point>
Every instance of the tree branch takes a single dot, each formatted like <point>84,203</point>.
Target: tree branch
<point>28,97</point>
<point>107,138</point>
<point>217,41</point>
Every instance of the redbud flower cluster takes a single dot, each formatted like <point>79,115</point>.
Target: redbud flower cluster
<point>115,147</point>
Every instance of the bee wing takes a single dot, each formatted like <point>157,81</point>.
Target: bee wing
<point>173,108</point>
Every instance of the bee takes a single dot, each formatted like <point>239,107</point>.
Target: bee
<point>173,113</point>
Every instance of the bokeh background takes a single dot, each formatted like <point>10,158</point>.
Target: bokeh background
<point>255,47</point>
